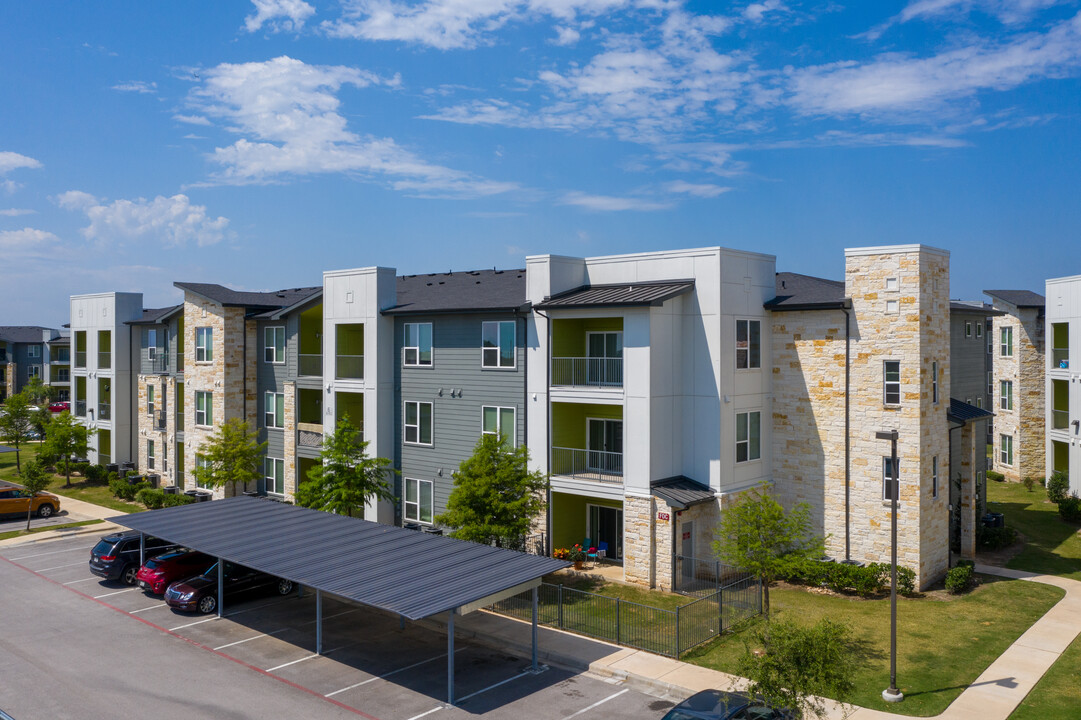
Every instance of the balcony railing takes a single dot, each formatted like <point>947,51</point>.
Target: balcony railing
<point>64,359</point>
<point>1060,358</point>
<point>62,376</point>
<point>105,360</point>
<point>349,367</point>
<point>80,358</point>
<point>179,361</point>
<point>309,435</point>
<point>595,372</point>
<point>159,363</point>
<point>310,365</point>
<point>104,411</point>
<point>80,408</point>
<point>588,464</point>
<point>1060,419</point>
<point>159,420</point>
<point>180,422</point>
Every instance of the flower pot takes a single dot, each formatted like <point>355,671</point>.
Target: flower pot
<point>579,564</point>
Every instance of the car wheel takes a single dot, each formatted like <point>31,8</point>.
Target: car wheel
<point>45,511</point>
<point>208,604</point>
<point>128,576</point>
<point>285,587</point>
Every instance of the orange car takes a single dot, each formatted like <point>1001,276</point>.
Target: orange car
<point>14,502</point>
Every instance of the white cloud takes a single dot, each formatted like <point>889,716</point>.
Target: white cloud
<point>565,36</point>
<point>192,119</point>
<point>27,239</point>
<point>1008,12</point>
<point>16,212</point>
<point>702,190</point>
<point>174,221</point>
<point>137,86</point>
<point>756,12</point>
<point>609,203</point>
<point>288,114</point>
<point>13,161</point>
<point>279,15</point>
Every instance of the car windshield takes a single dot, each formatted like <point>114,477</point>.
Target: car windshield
<point>104,547</point>
<point>211,571</point>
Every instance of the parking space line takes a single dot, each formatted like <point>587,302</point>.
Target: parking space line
<point>72,582</point>
<point>197,622</point>
<point>257,607</point>
<point>160,605</point>
<point>492,687</point>
<point>238,642</point>
<point>392,672</point>
<point>423,714</point>
<point>115,593</point>
<point>309,657</point>
<point>328,617</point>
<point>81,562</point>
<point>596,704</point>
<point>54,552</point>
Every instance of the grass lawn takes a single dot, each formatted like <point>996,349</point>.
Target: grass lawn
<point>80,490</point>
<point>19,533</point>
<point>1058,695</point>
<point>1051,545</point>
<point>943,645</point>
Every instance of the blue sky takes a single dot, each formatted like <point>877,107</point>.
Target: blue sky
<point>259,143</point>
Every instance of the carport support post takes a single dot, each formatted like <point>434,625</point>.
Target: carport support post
<point>318,621</point>
<point>142,549</point>
<point>221,586</point>
<point>534,628</point>
<point>450,656</point>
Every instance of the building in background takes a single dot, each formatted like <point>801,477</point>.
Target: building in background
<point>159,392</point>
<point>1062,413</point>
<point>31,351</point>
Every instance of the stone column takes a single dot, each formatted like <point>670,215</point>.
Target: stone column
<point>290,452</point>
<point>639,565</point>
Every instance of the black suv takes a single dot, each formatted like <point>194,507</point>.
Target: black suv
<point>116,556</point>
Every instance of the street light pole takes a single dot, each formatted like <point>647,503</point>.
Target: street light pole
<point>892,694</point>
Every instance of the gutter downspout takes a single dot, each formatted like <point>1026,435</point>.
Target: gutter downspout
<point>848,488</point>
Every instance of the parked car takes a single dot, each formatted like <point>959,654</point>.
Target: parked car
<point>15,501</point>
<point>200,593</point>
<point>60,406</point>
<point>721,705</point>
<point>116,556</point>
<point>158,573</point>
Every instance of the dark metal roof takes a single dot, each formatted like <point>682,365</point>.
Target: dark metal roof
<point>405,572</point>
<point>681,492</point>
<point>627,294</point>
<point>470,291</point>
<point>152,316</point>
<point>26,333</point>
<point>974,308</point>
<point>806,292</point>
<point>1018,298</point>
<point>962,412</point>
<point>252,300</point>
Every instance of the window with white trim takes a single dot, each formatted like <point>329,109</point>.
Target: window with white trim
<point>151,343</point>
<point>934,382</point>
<point>748,436</point>
<point>274,409</point>
<point>418,423</point>
<point>886,478</point>
<point>968,329</point>
<point>934,476</point>
<point>274,344</point>
<point>150,454</point>
<point>990,382</point>
<point>1005,394</point>
<point>202,465</point>
<point>150,391</point>
<point>1006,342</point>
<point>891,382</point>
<point>1005,449</point>
<point>33,351</point>
<point>979,330</point>
<point>33,371</point>
<point>497,344</point>
<point>204,344</point>
<point>204,408</point>
<point>748,344</point>
<point>892,307</point>
<point>274,471</point>
<point>417,505</point>
<point>495,420</point>
<point>417,344</point>
<point>990,338</point>
<point>979,402</point>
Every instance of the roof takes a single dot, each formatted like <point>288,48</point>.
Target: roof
<point>469,291</point>
<point>227,297</point>
<point>152,316</point>
<point>681,492</point>
<point>628,294</point>
<point>1018,298</point>
<point>974,307</point>
<point>405,572</point>
<point>25,333</point>
<point>962,412</point>
<point>806,292</point>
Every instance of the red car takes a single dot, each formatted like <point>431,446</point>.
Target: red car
<point>59,407</point>
<point>159,572</point>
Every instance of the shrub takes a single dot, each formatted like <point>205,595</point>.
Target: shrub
<point>994,538</point>
<point>94,473</point>
<point>124,491</point>
<point>115,487</point>
<point>112,476</point>
<point>865,580</point>
<point>171,500</point>
<point>151,498</point>
<point>80,468</point>
<point>996,476</point>
<point>1070,509</point>
<point>959,579</point>
<point>1058,487</point>
<point>1029,483</point>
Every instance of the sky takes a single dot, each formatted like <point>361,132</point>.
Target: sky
<point>256,144</point>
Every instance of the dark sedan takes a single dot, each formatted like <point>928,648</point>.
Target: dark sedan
<point>720,705</point>
<point>200,593</point>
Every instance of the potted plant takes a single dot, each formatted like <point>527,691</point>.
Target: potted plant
<point>576,555</point>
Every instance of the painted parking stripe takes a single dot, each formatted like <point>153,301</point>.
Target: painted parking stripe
<point>239,642</point>
<point>493,687</point>
<point>309,657</point>
<point>424,714</point>
<point>328,617</point>
<point>58,567</point>
<point>54,552</point>
<point>159,605</point>
<point>197,622</point>
<point>392,672</point>
<point>118,592</point>
<point>596,704</point>
<point>72,582</point>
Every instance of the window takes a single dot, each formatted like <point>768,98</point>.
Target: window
<point>150,400</point>
<point>968,329</point>
<point>274,344</point>
<point>891,283</point>
<point>204,344</point>
<point>497,344</point>
<point>33,371</point>
<point>886,478</point>
<point>990,338</point>
<point>274,469</point>
<point>418,423</point>
<point>990,382</point>
<point>934,476</point>
<point>979,329</point>
<point>151,343</point>
<point>150,454</point>
<point>1005,391</point>
<point>748,344</point>
<point>891,382</point>
<point>274,410</point>
<point>496,420</point>
<point>1006,349</point>
<point>202,465</point>
<point>748,436</point>
<point>1005,448</point>
<point>934,382</point>
<point>892,307</point>
<point>418,500</point>
<point>33,351</point>
<point>204,408</point>
<point>417,344</point>
<point>979,402</point>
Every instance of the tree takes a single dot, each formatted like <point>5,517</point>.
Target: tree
<point>495,496</point>
<point>755,534</point>
<point>233,454</point>
<point>63,438</point>
<point>34,479</point>
<point>40,420</point>
<point>15,424</point>
<point>347,478</point>
<point>796,666</point>
<point>38,393</point>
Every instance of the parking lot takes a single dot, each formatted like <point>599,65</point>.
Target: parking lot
<point>371,665</point>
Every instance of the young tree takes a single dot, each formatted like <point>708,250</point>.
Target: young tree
<point>495,496</point>
<point>796,666</point>
<point>38,393</point>
<point>15,424</point>
<point>233,454</point>
<point>63,438</point>
<point>755,534</point>
<point>34,479</point>
<point>347,478</point>
<point>40,420</point>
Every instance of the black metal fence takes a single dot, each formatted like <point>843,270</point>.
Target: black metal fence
<point>657,630</point>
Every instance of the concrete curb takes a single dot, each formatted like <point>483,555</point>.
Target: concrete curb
<point>49,535</point>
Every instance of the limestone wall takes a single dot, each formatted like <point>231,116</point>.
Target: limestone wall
<point>1025,369</point>
<point>639,540</point>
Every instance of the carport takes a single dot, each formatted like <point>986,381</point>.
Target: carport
<point>411,574</point>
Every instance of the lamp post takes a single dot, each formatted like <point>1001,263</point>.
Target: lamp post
<point>892,694</point>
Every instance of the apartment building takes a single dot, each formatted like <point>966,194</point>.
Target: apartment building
<point>28,352</point>
<point>1019,382</point>
<point>1062,414</point>
<point>159,407</point>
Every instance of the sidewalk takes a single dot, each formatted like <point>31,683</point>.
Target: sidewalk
<point>993,696</point>
<point>73,511</point>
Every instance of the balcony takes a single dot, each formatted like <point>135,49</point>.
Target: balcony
<point>1060,346</point>
<point>63,375</point>
<point>1060,405</point>
<point>158,420</point>
<point>349,367</point>
<point>80,359</point>
<point>310,435</point>
<point>1060,358</point>
<point>587,372</point>
<point>309,365</point>
<point>62,358</point>
<point>1060,419</point>
<point>595,465</point>
<point>105,360</point>
<point>180,421</point>
<point>80,408</point>
<point>104,411</point>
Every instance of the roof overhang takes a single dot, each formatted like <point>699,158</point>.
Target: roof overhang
<point>523,309</point>
<point>844,304</point>
<point>318,295</point>
<point>681,492</point>
<point>628,294</point>
<point>963,413</point>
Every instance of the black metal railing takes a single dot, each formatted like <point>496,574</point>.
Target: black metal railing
<point>104,411</point>
<point>159,420</point>
<point>588,464</point>
<point>80,408</point>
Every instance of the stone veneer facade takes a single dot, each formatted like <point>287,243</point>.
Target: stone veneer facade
<point>911,324</point>
<point>164,440</point>
<point>1025,368</point>
<point>290,422</point>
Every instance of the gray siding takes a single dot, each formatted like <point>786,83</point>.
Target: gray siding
<point>968,360</point>
<point>21,353</point>
<point>271,377</point>
<point>456,421</point>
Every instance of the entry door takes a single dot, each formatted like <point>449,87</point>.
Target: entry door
<point>606,525</point>
<point>605,446</point>
<point>605,358</point>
